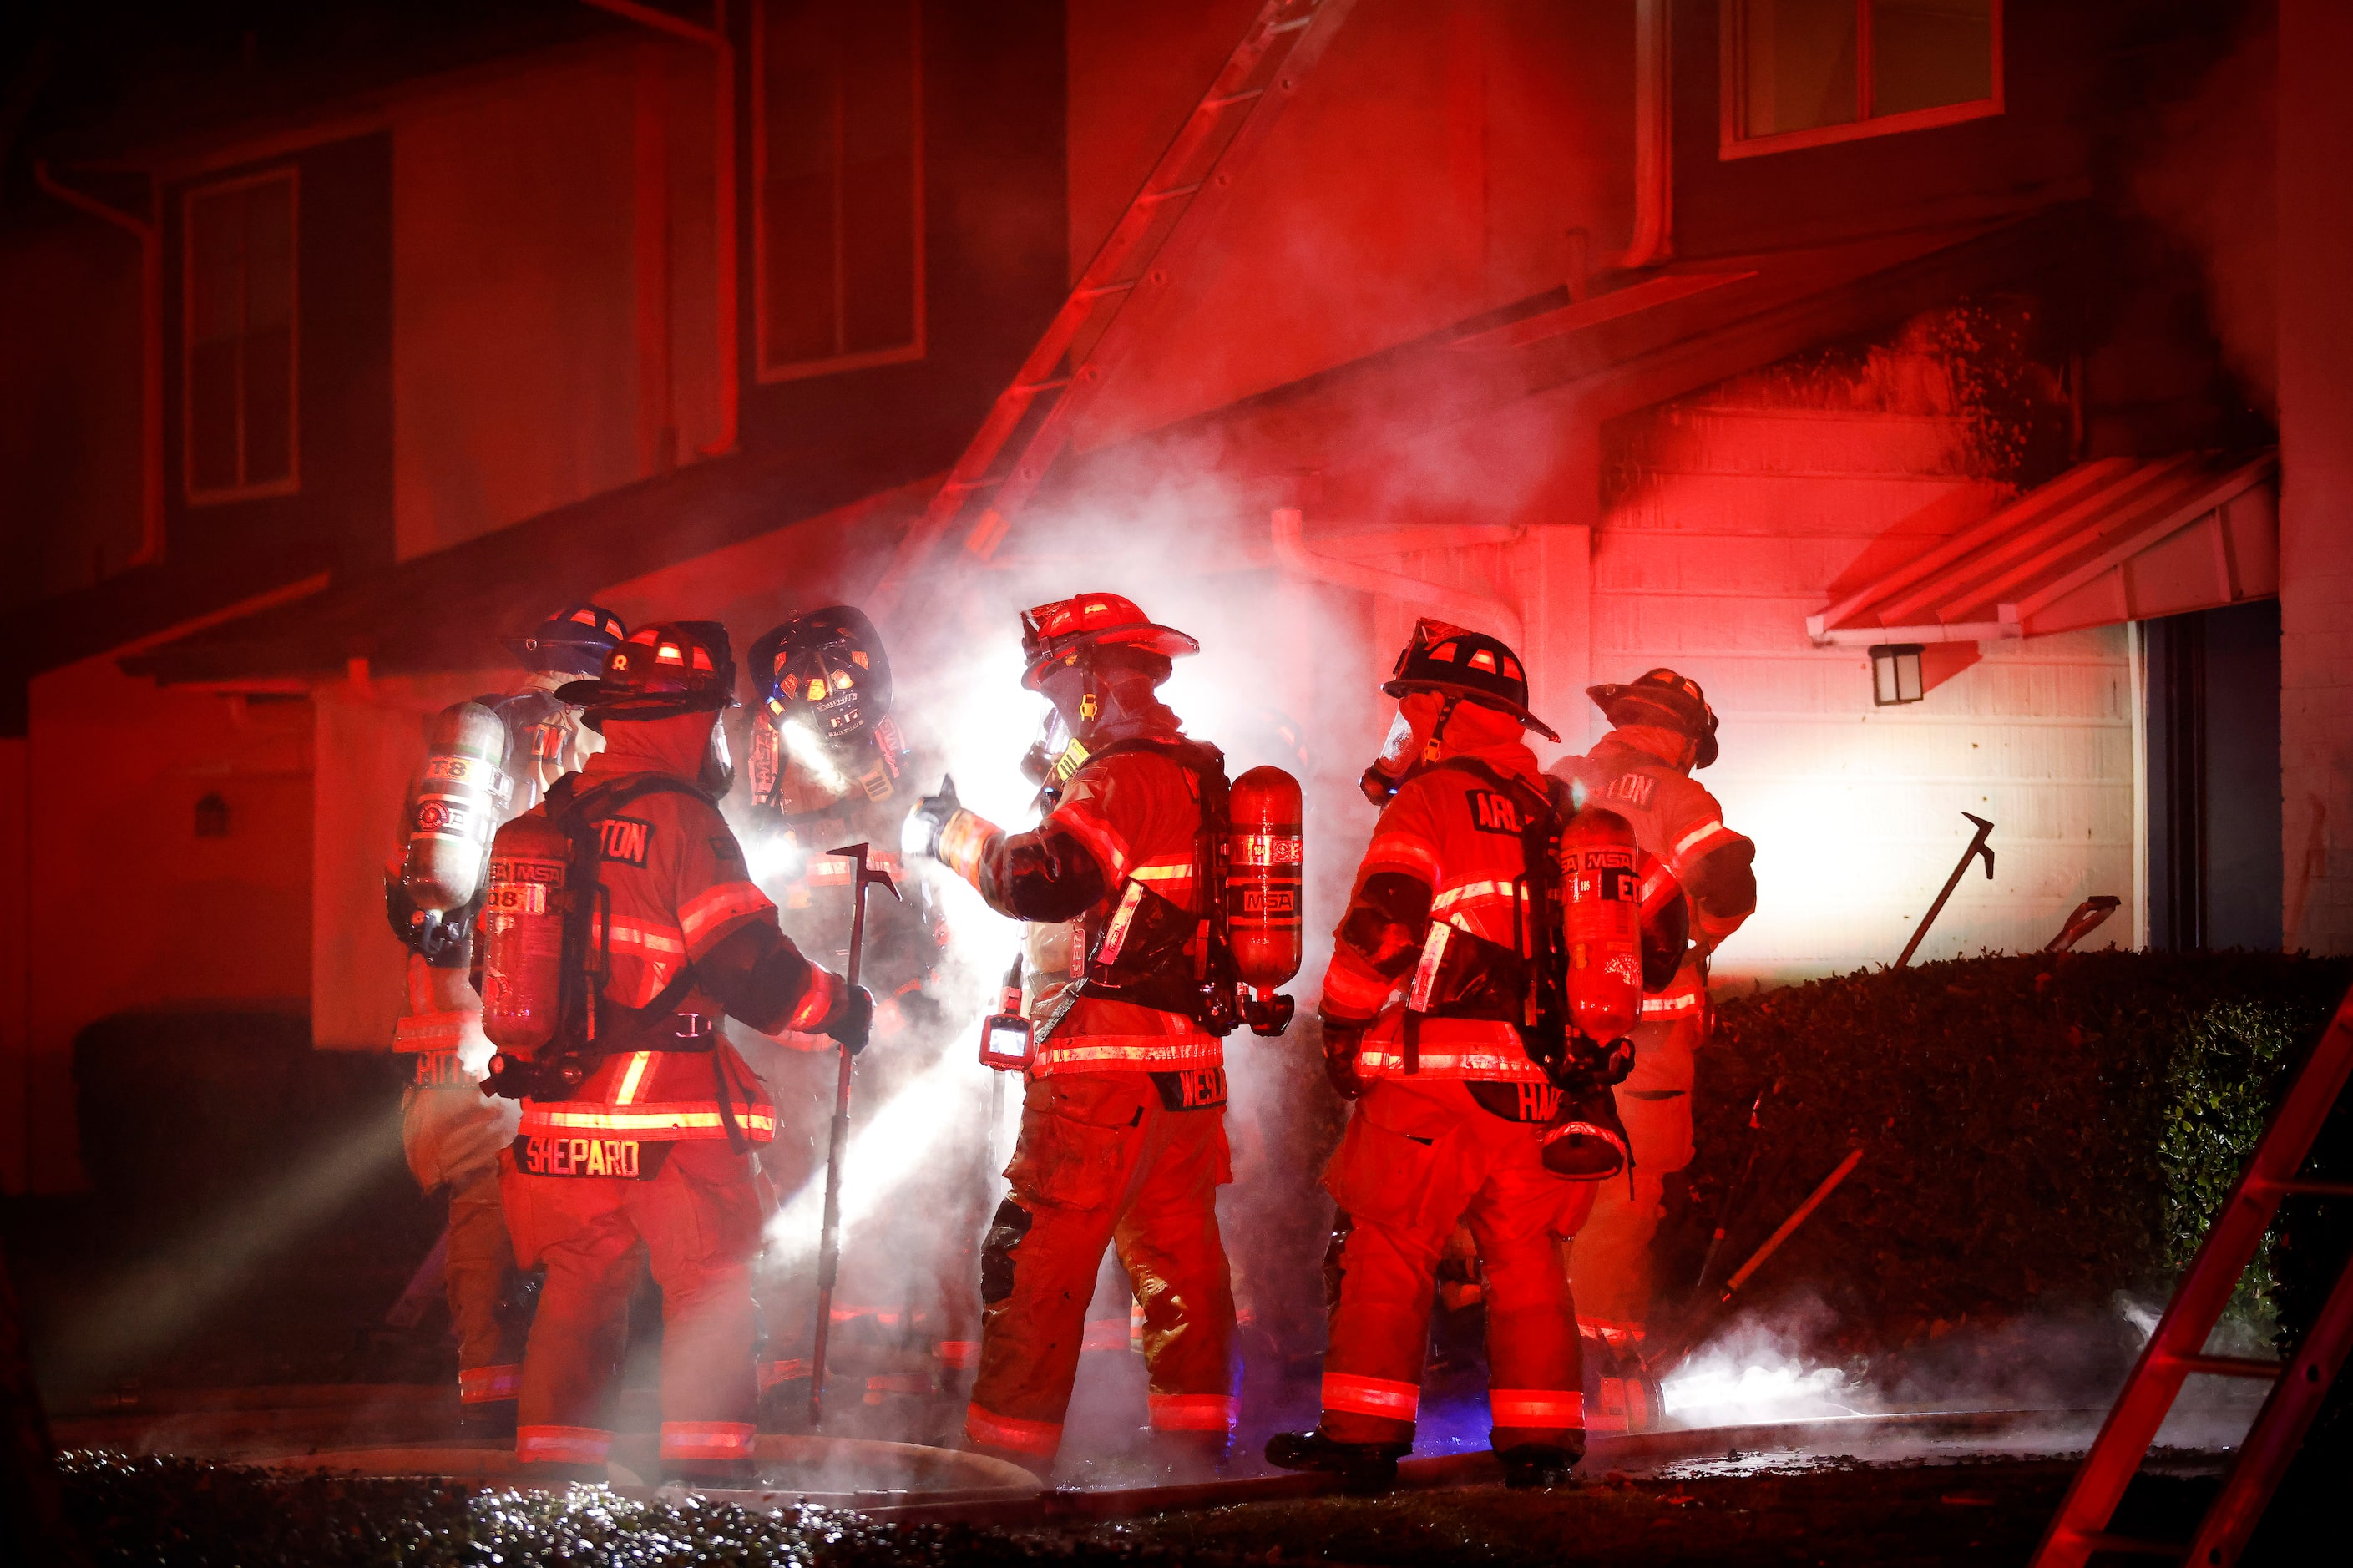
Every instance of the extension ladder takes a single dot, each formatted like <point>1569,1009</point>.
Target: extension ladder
<point>1099,323</point>
<point>2178,1348</point>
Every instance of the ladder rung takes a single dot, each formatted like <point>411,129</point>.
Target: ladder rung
<point>984,482</point>
<point>2227,1365</point>
<point>1291,26</point>
<point>1244,96</point>
<point>1100,289</point>
<point>1032,388</point>
<point>1170,194</point>
<point>2138,1545</point>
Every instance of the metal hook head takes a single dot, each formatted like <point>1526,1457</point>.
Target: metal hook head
<point>866,878</point>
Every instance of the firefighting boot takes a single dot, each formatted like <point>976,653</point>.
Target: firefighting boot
<point>1365,1466</point>
<point>1540,1465</point>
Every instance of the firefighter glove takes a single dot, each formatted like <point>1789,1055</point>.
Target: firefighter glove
<point>852,1018</point>
<point>931,817</point>
<point>1340,1043</point>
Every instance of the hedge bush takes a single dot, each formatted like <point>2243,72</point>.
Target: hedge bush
<point>2042,1131</point>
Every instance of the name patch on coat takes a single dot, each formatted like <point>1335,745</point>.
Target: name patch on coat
<point>1194,1088</point>
<point>1530,1102</point>
<point>625,1158</point>
<point>1635,789</point>
<point>1492,812</point>
<point>626,839</point>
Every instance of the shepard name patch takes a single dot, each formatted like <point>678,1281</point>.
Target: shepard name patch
<point>1492,812</point>
<point>1194,1088</point>
<point>625,1158</point>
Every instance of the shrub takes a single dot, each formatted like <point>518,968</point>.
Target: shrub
<point>2041,1131</point>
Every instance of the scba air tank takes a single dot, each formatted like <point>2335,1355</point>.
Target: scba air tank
<point>521,934</point>
<point>1263,873</point>
<point>1602,894</point>
<point>458,799</point>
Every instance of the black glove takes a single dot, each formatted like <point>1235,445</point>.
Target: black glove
<point>1340,1042</point>
<point>852,1018</point>
<point>922,834</point>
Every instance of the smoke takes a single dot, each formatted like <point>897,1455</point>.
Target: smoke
<point>2210,184</point>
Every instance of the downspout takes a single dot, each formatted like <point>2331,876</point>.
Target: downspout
<point>149,232</point>
<point>1488,615</point>
<point>1652,240</point>
<point>722,178</point>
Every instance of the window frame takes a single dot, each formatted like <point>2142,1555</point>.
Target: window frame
<point>763,370</point>
<point>1733,94</point>
<point>191,493</point>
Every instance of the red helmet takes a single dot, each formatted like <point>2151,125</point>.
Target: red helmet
<point>1054,634</point>
<point>1661,697</point>
<point>663,671</point>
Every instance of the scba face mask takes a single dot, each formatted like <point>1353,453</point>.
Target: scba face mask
<point>1408,750</point>
<point>717,774</point>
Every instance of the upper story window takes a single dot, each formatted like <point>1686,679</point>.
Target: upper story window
<point>240,435</point>
<point>837,163</point>
<point>1800,73</point>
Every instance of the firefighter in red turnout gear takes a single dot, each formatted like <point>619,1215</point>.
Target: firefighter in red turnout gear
<point>486,761</point>
<point>1122,1124</point>
<point>638,1123</point>
<point>1663,729</point>
<point>1456,901</point>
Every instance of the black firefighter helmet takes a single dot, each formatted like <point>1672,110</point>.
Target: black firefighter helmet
<point>573,641</point>
<point>662,671</point>
<point>825,669</point>
<point>1661,697</point>
<point>1444,658</point>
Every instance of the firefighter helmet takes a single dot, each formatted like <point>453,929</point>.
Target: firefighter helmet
<point>1444,658</point>
<point>827,669</point>
<point>573,641</point>
<point>1059,632</point>
<point>662,671</point>
<point>1663,698</point>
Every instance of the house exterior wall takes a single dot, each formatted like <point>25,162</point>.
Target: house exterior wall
<point>2316,344</point>
<point>553,284</point>
<point>1733,514</point>
<point>1429,168</point>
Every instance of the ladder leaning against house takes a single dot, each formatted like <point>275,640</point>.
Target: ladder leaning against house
<point>2177,1350</point>
<point>1030,424</point>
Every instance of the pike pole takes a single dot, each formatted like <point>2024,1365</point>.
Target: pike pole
<point>1976,847</point>
<point>828,1249</point>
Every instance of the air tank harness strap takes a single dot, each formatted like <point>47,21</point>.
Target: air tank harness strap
<point>1468,976</point>
<point>577,812</point>
<point>1156,932</point>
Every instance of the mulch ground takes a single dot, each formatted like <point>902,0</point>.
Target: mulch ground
<point>173,1512</point>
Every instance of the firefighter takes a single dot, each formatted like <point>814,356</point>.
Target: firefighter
<point>450,1131</point>
<point>1661,729</point>
<point>826,760</point>
<point>1122,1124</point>
<point>638,1123</point>
<point>1455,1106</point>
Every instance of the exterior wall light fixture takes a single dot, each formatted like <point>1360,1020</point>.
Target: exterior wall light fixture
<point>1895,673</point>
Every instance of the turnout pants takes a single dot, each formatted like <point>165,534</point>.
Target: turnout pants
<point>453,1136</point>
<point>698,1221</point>
<point>1610,1265</point>
<point>1417,1160</point>
<point>1100,1160</point>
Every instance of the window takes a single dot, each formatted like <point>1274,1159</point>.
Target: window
<point>837,160</point>
<point>238,369</point>
<point>1800,73</point>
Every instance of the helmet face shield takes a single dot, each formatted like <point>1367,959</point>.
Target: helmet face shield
<point>1408,748</point>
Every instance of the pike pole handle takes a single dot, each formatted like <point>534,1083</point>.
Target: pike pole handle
<point>829,1250</point>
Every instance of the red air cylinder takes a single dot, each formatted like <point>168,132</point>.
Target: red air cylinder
<point>1604,917</point>
<point>1262,877</point>
<point>459,798</point>
<point>520,933</point>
